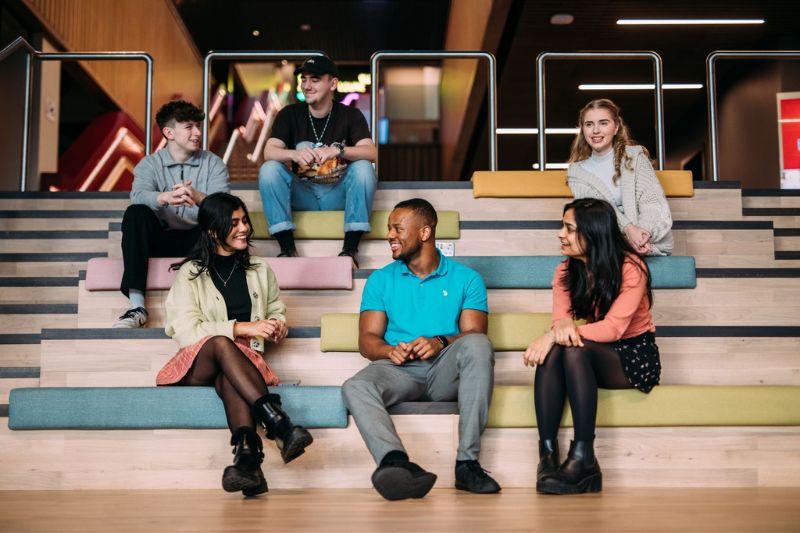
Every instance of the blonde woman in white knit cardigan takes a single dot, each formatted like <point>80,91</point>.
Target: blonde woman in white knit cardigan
<point>606,163</point>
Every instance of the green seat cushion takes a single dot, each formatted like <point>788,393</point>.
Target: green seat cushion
<point>330,224</point>
<point>666,405</point>
<point>508,331</point>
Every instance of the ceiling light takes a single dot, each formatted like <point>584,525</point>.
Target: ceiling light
<point>681,22</point>
<point>256,33</point>
<point>561,19</point>
<point>535,131</point>
<point>305,27</point>
<point>635,86</point>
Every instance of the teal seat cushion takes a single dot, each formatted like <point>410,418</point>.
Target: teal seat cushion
<point>158,407</point>
<point>536,272</point>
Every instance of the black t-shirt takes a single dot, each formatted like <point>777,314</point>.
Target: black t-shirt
<point>347,125</point>
<point>231,281</point>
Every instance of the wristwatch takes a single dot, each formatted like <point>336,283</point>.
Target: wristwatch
<point>443,340</point>
<point>339,146</point>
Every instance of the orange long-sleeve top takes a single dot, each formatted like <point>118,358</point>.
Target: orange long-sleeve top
<point>628,316</point>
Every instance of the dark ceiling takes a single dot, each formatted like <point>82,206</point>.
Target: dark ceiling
<point>348,30</point>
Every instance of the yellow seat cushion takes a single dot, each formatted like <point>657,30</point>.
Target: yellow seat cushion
<point>666,405</point>
<point>330,224</point>
<point>553,183</point>
<point>508,331</point>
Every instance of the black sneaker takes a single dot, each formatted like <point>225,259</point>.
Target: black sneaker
<point>132,318</point>
<point>471,477</point>
<point>399,480</point>
<point>289,253</point>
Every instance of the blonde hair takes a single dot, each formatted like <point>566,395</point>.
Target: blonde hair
<point>581,150</point>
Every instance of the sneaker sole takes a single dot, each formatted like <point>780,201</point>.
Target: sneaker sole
<point>261,489</point>
<point>399,484</point>
<point>299,440</point>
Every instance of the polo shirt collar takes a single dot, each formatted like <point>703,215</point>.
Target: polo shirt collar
<point>167,161</point>
<point>441,270</point>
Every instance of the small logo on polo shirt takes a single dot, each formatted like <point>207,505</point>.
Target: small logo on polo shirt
<point>444,292</point>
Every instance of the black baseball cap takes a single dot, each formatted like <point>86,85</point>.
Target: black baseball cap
<point>318,65</point>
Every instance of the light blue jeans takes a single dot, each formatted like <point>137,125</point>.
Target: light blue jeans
<point>282,191</point>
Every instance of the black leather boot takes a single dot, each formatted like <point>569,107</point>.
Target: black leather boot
<point>291,440</point>
<point>548,459</point>
<point>245,473</point>
<point>578,474</point>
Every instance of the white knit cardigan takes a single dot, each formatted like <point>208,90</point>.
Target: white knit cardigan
<point>643,199</point>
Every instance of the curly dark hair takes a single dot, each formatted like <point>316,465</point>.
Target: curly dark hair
<point>179,111</point>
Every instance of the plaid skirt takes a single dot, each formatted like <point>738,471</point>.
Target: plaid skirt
<point>640,360</point>
<point>177,367</point>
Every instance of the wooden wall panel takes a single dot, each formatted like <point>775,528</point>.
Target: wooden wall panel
<point>152,26</point>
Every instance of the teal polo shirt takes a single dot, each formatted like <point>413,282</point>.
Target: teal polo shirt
<point>426,307</point>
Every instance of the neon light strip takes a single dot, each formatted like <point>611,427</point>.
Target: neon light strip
<point>687,22</point>
<point>552,166</point>
<point>635,86</point>
<point>535,131</point>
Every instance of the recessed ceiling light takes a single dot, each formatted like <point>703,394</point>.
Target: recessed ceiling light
<point>635,86</point>
<point>562,19</point>
<point>256,33</point>
<point>305,27</point>
<point>688,22</point>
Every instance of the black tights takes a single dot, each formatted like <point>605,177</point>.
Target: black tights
<point>576,373</point>
<point>237,381</point>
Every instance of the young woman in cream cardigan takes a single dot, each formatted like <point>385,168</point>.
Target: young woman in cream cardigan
<point>606,163</point>
<point>222,309</point>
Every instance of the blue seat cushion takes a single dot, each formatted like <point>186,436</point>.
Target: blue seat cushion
<point>536,271</point>
<point>158,407</point>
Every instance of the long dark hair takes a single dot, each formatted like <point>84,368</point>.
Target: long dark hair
<point>214,221</point>
<point>595,284</point>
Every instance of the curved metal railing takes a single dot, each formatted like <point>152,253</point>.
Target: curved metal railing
<point>659,92</point>
<point>711,88</point>
<point>243,54</point>
<point>21,43</point>
<point>492,72</point>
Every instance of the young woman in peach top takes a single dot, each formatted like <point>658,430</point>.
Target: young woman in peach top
<point>605,283</point>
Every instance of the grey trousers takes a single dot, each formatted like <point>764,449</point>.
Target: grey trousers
<point>464,371</point>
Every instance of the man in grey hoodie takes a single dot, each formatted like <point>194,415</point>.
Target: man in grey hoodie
<point>167,188</point>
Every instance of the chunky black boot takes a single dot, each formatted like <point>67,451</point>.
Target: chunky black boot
<point>245,473</point>
<point>291,440</point>
<point>578,474</point>
<point>548,459</point>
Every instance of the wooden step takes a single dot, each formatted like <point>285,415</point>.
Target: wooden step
<point>194,459</point>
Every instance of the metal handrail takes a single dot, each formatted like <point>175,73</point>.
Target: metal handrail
<point>711,82</point>
<point>20,42</point>
<point>659,92</point>
<point>492,71</point>
<point>243,54</point>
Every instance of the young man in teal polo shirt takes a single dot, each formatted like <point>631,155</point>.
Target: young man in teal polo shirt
<point>423,327</point>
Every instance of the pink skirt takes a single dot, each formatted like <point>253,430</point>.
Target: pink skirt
<point>177,367</point>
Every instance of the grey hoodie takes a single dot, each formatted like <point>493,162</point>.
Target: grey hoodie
<point>158,172</point>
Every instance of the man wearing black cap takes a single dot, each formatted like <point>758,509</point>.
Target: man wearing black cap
<point>330,151</point>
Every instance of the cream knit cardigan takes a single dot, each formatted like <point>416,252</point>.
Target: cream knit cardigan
<point>643,199</point>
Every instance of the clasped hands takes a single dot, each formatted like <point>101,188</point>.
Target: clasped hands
<point>272,329</point>
<point>420,348</point>
<point>638,238</point>
<point>563,332</point>
<point>182,194</point>
<point>309,156</point>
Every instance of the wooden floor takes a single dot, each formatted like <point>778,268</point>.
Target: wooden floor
<point>444,510</point>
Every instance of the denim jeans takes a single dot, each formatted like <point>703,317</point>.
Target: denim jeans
<point>282,191</point>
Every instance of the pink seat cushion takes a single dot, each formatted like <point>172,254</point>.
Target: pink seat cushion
<point>105,273</point>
